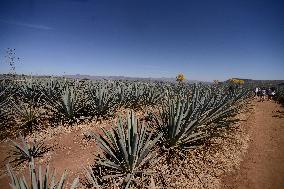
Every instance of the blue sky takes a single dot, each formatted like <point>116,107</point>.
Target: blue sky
<point>204,39</point>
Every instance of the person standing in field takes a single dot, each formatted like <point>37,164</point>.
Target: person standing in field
<point>256,90</point>
<point>262,94</point>
<point>273,93</point>
<point>269,94</point>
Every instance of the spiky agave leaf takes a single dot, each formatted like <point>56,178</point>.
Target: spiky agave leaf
<point>134,95</point>
<point>178,120</point>
<point>120,92</point>
<point>30,90</point>
<point>91,178</point>
<point>51,90</point>
<point>173,121</point>
<point>39,179</point>
<point>153,95</point>
<point>6,93</point>
<point>25,151</point>
<point>102,100</point>
<point>185,121</point>
<point>279,96</point>
<point>216,108</point>
<point>68,103</point>
<point>28,114</point>
<point>127,148</point>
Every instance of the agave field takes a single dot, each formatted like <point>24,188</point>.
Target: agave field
<point>151,121</point>
<point>280,94</point>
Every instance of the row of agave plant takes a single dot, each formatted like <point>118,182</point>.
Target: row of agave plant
<point>132,147</point>
<point>280,94</point>
<point>71,101</point>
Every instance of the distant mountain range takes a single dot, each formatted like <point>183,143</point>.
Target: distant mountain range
<point>164,79</point>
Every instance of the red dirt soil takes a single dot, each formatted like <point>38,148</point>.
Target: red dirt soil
<point>263,163</point>
<point>69,152</point>
<point>261,168</point>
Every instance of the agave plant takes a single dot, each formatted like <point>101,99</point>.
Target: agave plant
<point>134,95</point>
<point>39,179</point>
<point>184,122</point>
<point>102,100</point>
<point>30,90</point>
<point>6,93</point>
<point>179,120</point>
<point>51,88</point>
<point>28,114</point>
<point>68,104</point>
<point>127,150</point>
<point>222,106</point>
<point>153,95</point>
<point>178,130</point>
<point>25,151</point>
<point>3,102</point>
<point>280,94</point>
<point>120,92</point>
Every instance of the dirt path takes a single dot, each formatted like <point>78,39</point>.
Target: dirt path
<point>263,164</point>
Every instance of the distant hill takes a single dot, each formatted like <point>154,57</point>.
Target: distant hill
<point>91,77</point>
<point>164,79</point>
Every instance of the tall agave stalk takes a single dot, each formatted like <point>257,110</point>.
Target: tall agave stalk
<point>127,149</point>
<point>39,179</point>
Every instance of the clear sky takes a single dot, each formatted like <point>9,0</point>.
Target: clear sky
<point>204,39</point>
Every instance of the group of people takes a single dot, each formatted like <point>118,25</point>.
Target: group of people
<point>263,92</point>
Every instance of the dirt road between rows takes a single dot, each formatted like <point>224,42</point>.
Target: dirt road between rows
<point>263,163</point>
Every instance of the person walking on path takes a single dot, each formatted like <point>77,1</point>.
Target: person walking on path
<point>256,90</point>
<point>262,94</point>
<point>269,94</point>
